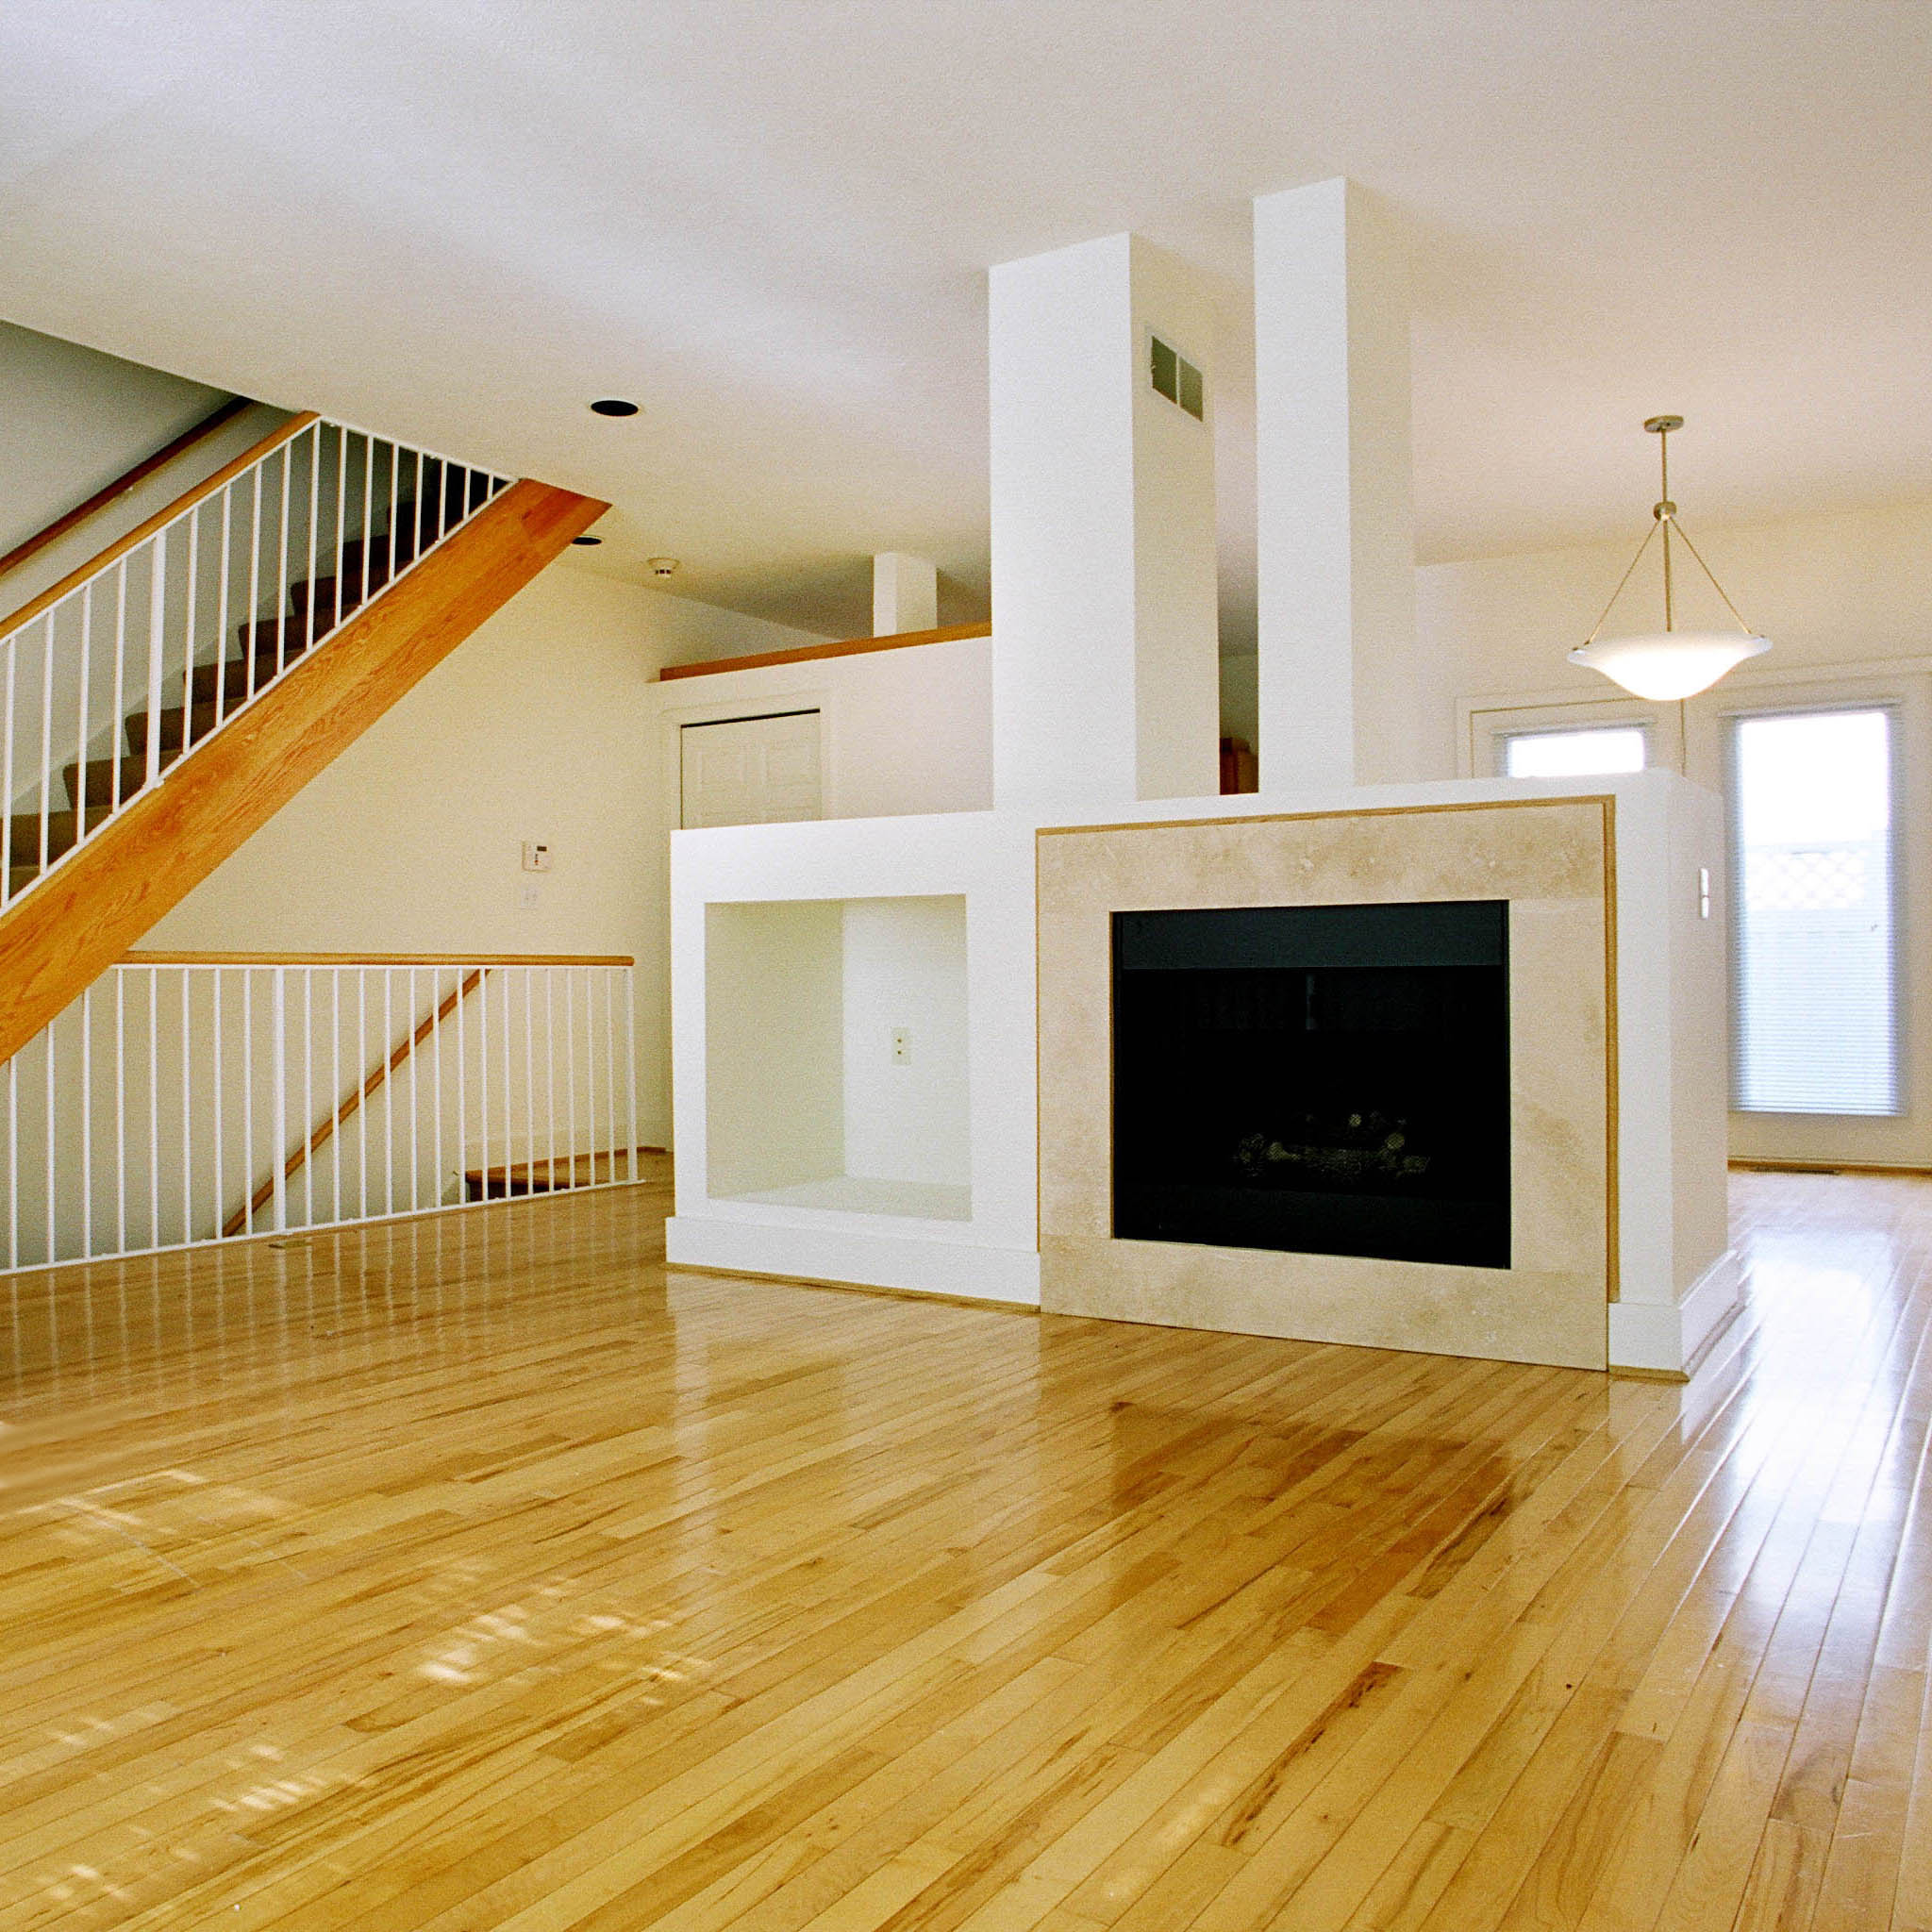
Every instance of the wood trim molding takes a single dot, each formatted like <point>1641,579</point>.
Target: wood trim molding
<point>67,929</point>
<point>807,653</point>
<point>145,957</point>
<point>122,484</point>
<point>161,518</point>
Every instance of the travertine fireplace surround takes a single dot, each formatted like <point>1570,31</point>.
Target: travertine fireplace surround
<point>1551,860</point>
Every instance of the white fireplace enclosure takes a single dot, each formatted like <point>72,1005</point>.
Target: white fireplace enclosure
<point>857,1054</point>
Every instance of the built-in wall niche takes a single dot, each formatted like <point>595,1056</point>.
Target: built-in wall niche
<point>836,1048</point>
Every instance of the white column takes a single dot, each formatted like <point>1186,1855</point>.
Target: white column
<point>1340,703</point>
<point>905,593</point>
<point>1106,665</point>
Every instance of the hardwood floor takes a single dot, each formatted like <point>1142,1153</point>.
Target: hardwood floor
<point>474,1572</point>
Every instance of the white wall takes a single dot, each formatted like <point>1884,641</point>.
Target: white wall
<point>905,967</point>
<point>906,730</point>
<point>1826,590</point>
<point>542,726</point>
<point>71,420</point>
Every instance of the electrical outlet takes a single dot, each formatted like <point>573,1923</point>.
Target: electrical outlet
<point>529,895</point>
<point>902,1046</point>
<point>536,856</point>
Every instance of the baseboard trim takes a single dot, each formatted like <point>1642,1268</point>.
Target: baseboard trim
<point>899,1294</point>
<point>1667,1341</point>
<point>856,1258</point>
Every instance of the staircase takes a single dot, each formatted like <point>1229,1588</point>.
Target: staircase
<point>160,704</point>
<point>264,648</point>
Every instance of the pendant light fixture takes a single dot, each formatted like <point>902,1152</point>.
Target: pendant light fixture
<point>1670,663</point>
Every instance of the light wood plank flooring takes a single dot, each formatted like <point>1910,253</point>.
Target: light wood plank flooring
<point>474,1572</point>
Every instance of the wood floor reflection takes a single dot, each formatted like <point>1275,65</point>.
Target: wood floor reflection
<point>476,1573</point>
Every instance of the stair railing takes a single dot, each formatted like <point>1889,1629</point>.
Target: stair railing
<point>186,1099</point>
<point>185,621</point>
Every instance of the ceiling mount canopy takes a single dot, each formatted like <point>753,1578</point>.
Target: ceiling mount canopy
<point>1670,663</point>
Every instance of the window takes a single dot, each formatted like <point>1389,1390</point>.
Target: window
<point>1813,947</point>
<point>1176,378</point>
<point>1576,754</point>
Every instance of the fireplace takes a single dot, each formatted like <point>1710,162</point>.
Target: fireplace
<point>1316,1079</point>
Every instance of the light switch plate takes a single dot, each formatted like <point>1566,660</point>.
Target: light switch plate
<point>536,855</point>
<point>529,895</point>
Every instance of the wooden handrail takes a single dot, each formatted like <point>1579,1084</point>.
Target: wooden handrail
<point>123,484</point>
<point>160,520</point>
<point>848,647</point>
<point>143,957</point>
<point>324,1128</point>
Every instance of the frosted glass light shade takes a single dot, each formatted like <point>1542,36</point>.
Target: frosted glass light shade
<point>1669,664</point>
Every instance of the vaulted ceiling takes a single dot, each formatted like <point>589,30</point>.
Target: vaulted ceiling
<point>769,224</point>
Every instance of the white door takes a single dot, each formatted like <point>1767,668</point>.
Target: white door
<point>751,770</point>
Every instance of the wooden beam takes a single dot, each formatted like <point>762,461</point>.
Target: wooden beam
<point>849,648</point>
<point>161,518</point>
<point>63,932</point>
<point>123,484</point>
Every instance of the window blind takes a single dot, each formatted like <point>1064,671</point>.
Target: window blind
<point>1813,926</point>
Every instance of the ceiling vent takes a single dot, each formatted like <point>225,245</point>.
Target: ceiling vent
<point>1173,377</point>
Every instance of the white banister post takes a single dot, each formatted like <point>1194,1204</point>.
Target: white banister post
<point>279,1154</point>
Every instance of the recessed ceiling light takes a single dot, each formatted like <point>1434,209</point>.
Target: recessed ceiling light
<point>613,406</point>
<point>587,541</point>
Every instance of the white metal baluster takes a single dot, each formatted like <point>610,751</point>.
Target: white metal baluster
<point>463,1088</point>
<point>341,515</point>
<point>120,672</point>
<point>308,1093</point>
<point>53,1136</point>
<point>414,1096</point>
<point>87,652</point>
<point>395,499</point>
<point>630,1042</point>
<point>307,630</point>
<point>278,1074</point>
<point>388,1098</point>
<point>154,1112</point>
<point>189,611</point>
<point>187,1112</point>
<point>530,1080</point>
<point>218,657</point>
<point>570,1064</point>
<point>416,516</point>
<point>281,572</point>
<point>86,1125</point>
<point>335,1089</point>
<point>219,1106</point>
<point>361,1075</point>
<point>511,978</point>
<point>47,741</point>
<point>609,979</point>
<point>369,524</point>
<point>157,639</point>
<point>120,1109</point>
<point>482,1083</point>
<point>550,1071</point>
<point>436,1073</point>
<point>13,1161</point>
<point>247,1226</point>
<point>254,607</point>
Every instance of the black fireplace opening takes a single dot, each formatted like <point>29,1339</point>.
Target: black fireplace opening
<point>1318,1079</point>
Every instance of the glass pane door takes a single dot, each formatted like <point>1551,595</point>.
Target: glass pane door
<point>1813,946</point>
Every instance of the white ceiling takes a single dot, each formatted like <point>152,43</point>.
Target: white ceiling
<point>768,220</point>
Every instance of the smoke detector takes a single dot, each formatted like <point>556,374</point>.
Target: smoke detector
<point>663,566</point>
